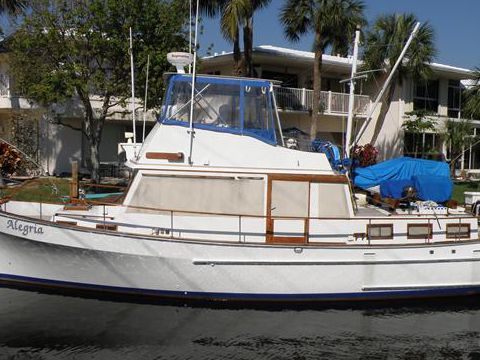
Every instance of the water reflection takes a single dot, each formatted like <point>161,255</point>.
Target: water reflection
<point>41,326</point>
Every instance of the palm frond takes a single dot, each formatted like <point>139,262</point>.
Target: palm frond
<point>296,17</point>
<point>13,7</point>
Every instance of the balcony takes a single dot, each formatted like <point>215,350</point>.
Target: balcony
<point>332,103</point>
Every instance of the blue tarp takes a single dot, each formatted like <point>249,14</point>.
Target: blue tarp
<point>436,188</point>
<point>394,188</point>
<point>430,178</point>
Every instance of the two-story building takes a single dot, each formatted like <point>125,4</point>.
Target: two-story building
<point>294,69</point>
<point>53,145</point>
<point>58,145</point>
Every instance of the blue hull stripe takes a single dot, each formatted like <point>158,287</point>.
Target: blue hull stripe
<point>369,295</point>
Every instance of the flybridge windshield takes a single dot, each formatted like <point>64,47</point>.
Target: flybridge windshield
<point>238,106</point>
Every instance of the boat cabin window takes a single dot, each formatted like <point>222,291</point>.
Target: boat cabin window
<point>328,200</point>
<point>458,231</point>
<point>380,231</point>
<point>237,106</point>
<point>202,194</point>
<point>419,231</point>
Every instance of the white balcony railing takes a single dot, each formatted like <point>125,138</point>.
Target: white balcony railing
<point>331,103</point>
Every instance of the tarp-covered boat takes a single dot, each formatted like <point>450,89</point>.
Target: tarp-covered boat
<point>431,179</point>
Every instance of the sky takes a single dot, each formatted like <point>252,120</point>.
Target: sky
<point>456,24</point>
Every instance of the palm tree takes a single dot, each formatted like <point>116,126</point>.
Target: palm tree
<point>458,135</point>
<point>232,16</point>
<point>248,34</point>
<point>13,7</point>
<point>385,42</point>
<point>472,97</point>
<point>333,23</point>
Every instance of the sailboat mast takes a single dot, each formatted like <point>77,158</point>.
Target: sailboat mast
<point>351,99</point>
<point>387,82</point>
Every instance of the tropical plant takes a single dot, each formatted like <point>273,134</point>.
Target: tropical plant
<point>417,123</point>
<point>232,16</point>
<point>458,136</point>
<point>10,160</point>
<point>13,7</point>
<point>384,43</point>
<point>79,50</point>
<point>472,97</point>
<point>333,23</point>
<point>255,5</point>
<point>236,14</point>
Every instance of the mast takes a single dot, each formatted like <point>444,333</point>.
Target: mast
<point>133,92</point>
<point>351,99</point>
<point>194,73</point>
<point>387,82</point>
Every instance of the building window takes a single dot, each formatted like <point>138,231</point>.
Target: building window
<point>454,98</point>
<point>458,231</point>
<point>426,96</point>
<point>380,231</point>
<point>422,146</point>
<point>419,231</point>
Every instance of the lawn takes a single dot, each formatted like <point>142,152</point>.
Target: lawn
<point>460,187</point>
<point>52,190</point>
<point>48,190</point>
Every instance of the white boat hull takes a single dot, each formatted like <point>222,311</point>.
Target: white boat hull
<point>46,254</point>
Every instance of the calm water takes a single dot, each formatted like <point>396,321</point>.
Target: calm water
<point>42,326</point>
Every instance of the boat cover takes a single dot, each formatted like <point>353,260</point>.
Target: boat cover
<point>430,178</point>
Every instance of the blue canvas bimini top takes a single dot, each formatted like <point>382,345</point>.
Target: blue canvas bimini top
<point>232,105</point>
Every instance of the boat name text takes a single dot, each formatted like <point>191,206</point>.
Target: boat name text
<point>24,228</point>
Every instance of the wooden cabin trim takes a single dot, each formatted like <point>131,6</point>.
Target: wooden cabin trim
<point>74,207</point>
<point>64,222</point>
<point>336,179</point>
<point>287,240</point>
<point>178,156</point>
<point>111,227</point>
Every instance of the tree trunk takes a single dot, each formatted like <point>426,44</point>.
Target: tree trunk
<point>93,128</point>
<point>248,46</point>
<point>237,55</point>
<point>94,159</point>
<point>317,87</point>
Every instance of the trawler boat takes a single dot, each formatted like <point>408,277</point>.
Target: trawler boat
<point>218,209</point>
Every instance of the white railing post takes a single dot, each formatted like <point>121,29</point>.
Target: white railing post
<point>329,102</point>
<point>304,99</point>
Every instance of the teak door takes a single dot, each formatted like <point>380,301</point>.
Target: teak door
<point>287,210</point>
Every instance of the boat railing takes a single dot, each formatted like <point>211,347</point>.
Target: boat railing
<point>236,227</point>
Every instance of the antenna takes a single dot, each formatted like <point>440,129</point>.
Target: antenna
<point>146,97</point>
<point>190,128</point>
<point>190,36</point>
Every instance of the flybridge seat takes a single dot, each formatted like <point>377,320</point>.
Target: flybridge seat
<point>222,104</point>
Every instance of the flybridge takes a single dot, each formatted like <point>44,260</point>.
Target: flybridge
<point>223,104</point>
